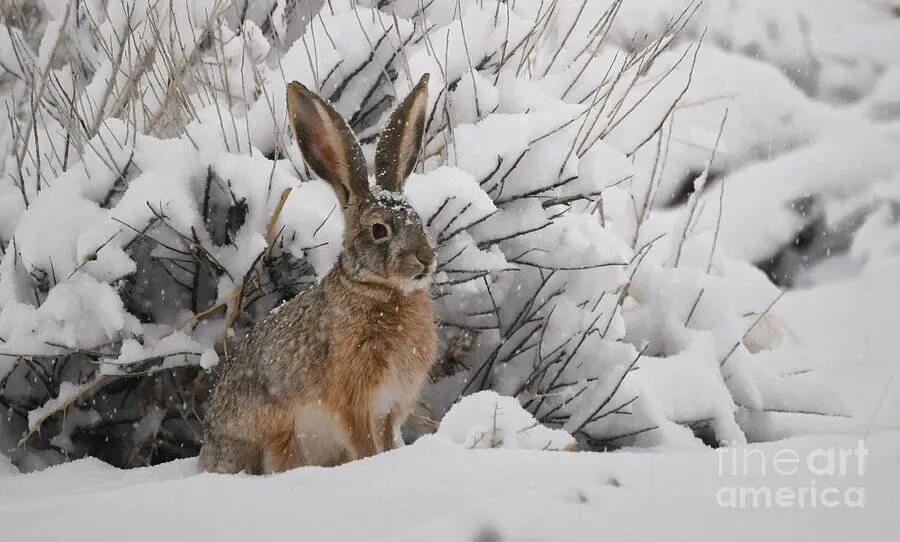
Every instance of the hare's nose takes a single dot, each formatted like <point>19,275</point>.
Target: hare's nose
<point>425,257</point>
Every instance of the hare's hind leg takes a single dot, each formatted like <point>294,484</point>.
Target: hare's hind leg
<point>361,433</point>
<point>387,428</point>
<point>281,450</point>
<point>228,455</point>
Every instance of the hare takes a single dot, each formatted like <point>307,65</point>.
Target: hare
<point>331,375</point>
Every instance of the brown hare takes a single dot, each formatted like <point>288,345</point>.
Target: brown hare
<point>332,374</point>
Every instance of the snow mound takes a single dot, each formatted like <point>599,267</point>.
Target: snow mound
<point>489,420</point>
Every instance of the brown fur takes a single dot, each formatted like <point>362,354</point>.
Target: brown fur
<point>329,376</point>
<point>365,332</point>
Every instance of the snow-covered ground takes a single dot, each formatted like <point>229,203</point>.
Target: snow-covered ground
<point>437,490</point>
<point>804,183</point>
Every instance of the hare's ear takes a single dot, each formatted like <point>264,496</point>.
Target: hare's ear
<point>328,145</point>
<point>400,141</point>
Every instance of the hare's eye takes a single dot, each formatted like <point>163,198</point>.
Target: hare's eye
<point>379,231</point>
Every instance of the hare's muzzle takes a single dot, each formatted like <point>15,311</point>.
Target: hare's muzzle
<point>425,257</point>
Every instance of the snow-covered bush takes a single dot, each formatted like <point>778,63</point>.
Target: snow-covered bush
<point>153,207</point>
<point>488,420</point>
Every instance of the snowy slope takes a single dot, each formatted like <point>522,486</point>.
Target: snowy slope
<point>850,330</point>
<point>437,490</point>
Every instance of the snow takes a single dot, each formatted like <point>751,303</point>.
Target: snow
<point>644,295</point>
<point>439,490</point>
<point>79,313</point>
<point>174,349</point>
<point>488,420</point>
<point>848,332</point>
<point>66,393</point>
